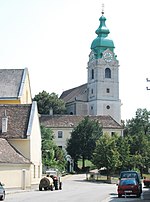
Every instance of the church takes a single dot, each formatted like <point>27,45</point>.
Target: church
<point>100,95</point>
<point>98,98</point>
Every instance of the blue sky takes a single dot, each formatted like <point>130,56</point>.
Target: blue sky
<point>52,38</point>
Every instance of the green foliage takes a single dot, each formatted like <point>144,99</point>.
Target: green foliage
<point>106,153</point>
<point>83,140</point>
<point>123,148</point>
<point>46,101</point>
<point>52,155</point>
<point>138,124</point>
<point>88,163</point>
<point>138,129</point>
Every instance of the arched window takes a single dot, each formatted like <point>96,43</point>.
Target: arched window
<point>92,74</point>
<point>107,73</point>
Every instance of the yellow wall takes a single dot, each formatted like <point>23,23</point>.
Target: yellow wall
<point>10,102</point>
<point>67,134</point>
<point>11,175</point>
<point>31,147</point>
<point>35,149</point>
<point>22,145</point>
<point>26,95</point>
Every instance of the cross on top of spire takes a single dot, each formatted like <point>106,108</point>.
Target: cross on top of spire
<point>102,8</point>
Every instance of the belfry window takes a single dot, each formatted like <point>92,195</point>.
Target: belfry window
<point>107,73</point>
<point>107,90</point>
<point>92,74</point>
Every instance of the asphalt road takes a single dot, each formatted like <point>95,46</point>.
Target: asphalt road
<point>75,189</point>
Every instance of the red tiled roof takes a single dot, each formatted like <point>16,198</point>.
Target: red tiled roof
<point>71,121</point>
<point>18,118</point>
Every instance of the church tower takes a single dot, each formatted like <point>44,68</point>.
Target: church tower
<point>103,75</point>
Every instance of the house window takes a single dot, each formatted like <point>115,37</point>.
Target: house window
<point>107,90</point>
<point>92,91</point>
<point>112,133</point>
<point>92,74</point>
<point>60,134</point>
<point>39,172</point>
<point>107,73</point>
<point>34,169</point>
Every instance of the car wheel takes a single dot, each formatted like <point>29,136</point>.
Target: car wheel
<point>2,197</point>
<point>40,188</point>
<point>60,185</point>
<point>139,195</point>
<point>119,195</point>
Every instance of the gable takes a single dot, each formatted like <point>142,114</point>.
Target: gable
<point>9,155</point>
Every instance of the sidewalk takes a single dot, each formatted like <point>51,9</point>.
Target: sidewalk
<point>18,190</point>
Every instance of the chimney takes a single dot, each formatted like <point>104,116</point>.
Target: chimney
<point>4,123</point>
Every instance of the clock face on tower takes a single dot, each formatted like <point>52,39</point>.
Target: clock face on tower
<point>108,56</point>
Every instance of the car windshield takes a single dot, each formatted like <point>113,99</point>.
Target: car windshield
<point>51,172</point>
<point>128,182</point>
<point>129,175</point>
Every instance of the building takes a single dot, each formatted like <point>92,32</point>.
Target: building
<point>100,95</point>
<point>62,126</point>
<point>15,86</point>
<point>20,135</point>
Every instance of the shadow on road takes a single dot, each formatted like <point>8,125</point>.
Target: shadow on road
<point>145,197</point>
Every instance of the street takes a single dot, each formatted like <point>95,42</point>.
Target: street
<point>75,189</point>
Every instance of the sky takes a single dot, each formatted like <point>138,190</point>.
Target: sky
<point>52,38</point>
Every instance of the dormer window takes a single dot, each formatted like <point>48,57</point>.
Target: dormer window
<point>4,124</point>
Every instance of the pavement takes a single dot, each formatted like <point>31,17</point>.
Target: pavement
<point>18,190</point>
<point>145,197</point>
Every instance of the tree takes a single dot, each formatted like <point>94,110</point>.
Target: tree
<point>123,147</point>
<point>140,151</point>
<point>106,154</point>
<point>139,123</point>
<point>46,102</point>
<point>52,155</point>
<point>138,130</point>
<point>83,140</point>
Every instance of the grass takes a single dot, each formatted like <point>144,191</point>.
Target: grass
<point>87,163</point>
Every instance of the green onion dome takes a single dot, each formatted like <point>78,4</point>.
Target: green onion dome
<point>102,41</point>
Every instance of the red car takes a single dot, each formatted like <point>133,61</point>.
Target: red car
<point>128,186</point>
